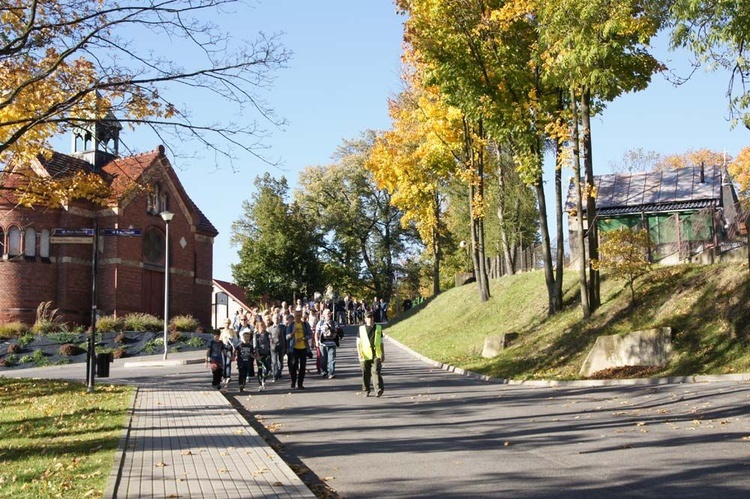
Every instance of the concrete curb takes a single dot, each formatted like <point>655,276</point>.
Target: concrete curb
<point>115,473</point>
<point>582,383</point>
<point>162,363</point>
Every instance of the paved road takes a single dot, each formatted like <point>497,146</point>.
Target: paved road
<point>438,434</point>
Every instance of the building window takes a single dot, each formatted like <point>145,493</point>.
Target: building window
<point>153,247</point>
<point>29,243</point>
<point>2,242</point>
<point>156,200</point>
<point>44,244</point>
<point>14,242</point>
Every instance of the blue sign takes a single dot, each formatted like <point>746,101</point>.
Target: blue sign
<point>121,232</point>
<point>61,232</point>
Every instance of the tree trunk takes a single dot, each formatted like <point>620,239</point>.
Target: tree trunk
<point>560,263</point>
<point>509,267</point>
<point>549,277</point>
<point>580,238</point>
<point>436,253</point>
<point>476,186</point>
<point>593,233</point>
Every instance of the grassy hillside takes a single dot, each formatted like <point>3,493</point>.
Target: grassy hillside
<point>708,308</point>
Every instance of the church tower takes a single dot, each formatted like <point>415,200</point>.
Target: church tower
<point>97,142</point>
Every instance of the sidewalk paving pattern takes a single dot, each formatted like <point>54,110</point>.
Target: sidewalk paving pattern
<point>190,443</point>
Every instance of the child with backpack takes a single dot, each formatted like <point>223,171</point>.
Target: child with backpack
<point>245,357</point>
<point>215,359</point>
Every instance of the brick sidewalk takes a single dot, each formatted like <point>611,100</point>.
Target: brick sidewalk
<point>192,443</point>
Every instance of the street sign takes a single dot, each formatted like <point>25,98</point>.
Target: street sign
<point>121,232</point>
<point>62,235</point>
<point>63,232</point>
<point>71,240</point>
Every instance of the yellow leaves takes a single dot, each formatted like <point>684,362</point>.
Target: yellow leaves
<point>739,169</point>
<point>55,192</point>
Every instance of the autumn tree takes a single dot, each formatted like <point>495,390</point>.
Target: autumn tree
<point>414,162</point>
<point>625,253</point>
<point>67,63</point>
<point>740,171</point>
<point>277,243</point>
<point>597,50</point>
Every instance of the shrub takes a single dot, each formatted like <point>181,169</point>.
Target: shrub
<point>151,347</point>
<point>176,348</point>
<point>39,358</point>
<point>63,337</point>
<point>61,362</point>
<point>186,323</point>
<point>13,329</point>
<point>47,319</point>
<point>14,348</point>
<point>142,322</point>
<point>175,337</point>
<point>109,323</point>
<point>25,339</point>
<point>26,359</point>
<point>119,353</point>
<point>69,349</point>
<point>121,338</point>
<point>196,342</point>
<point>10,360</point>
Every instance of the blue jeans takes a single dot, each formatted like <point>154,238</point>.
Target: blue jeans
<point>328,362</point>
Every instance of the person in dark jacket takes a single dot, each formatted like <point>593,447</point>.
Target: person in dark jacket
<point>245,356</point>
<point>215,359</point>
<point>278,344</point>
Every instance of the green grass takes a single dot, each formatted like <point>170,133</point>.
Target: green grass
<point>704,305</point>
<point>56,440</point>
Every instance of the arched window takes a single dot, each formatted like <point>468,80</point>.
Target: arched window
<point>153,247</point>
<point>29,240</point>
<point>44,244</point>
<point>2,242</point>
<point>14,241</point>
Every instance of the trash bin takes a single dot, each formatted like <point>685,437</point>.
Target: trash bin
<point>102,364</point>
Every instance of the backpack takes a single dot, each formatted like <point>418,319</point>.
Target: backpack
<point>329,332</point>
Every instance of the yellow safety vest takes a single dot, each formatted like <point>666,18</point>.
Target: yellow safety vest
<point>365,349</point>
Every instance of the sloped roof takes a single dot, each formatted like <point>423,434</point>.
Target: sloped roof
<point>234,291</point>
<point>60,165</point>
<point>120,173</point>
<point>655,191</point>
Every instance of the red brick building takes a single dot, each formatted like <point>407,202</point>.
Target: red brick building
<point>38,266</point>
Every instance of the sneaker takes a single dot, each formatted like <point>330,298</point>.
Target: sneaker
<point>367,394</point>
<point>331,376</point>
<point>261,387</point>
<point>242,389</point>
<point>294,385</point>
<point>380,392</point>
<point>301,387</point>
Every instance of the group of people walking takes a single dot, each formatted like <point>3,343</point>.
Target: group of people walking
<point>257,343</point>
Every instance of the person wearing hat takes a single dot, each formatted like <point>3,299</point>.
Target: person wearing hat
<point>371,355</point>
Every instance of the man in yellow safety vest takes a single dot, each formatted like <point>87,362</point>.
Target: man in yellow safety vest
<point>371,354</point>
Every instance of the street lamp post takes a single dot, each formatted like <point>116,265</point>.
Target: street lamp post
<point>167,217</point>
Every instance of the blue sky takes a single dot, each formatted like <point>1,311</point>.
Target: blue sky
<point>345,64</point>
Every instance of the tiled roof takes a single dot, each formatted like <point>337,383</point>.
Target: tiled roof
<point>122,173</point>
<point>60,165</point>
<point>656,191</point>
<point>234,291</point>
